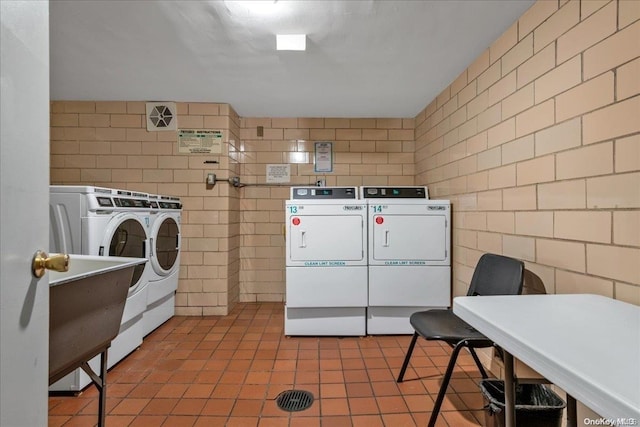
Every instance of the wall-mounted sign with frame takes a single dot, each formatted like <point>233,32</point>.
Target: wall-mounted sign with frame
<point>200,141</point>
<point>323,158</point>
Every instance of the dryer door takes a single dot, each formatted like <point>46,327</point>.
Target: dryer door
<point>412,238</point>
<point>330,238</point>
<point>165,245</point>
<point>126,236</point>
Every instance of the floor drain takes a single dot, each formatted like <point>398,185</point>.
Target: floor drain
<point>294,400</point>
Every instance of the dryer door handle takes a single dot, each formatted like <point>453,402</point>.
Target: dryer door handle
<point>303,240</point>
<point>151,246</point>
<point>386,238</point>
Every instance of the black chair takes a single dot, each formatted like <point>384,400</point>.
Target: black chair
<point>494,275</point>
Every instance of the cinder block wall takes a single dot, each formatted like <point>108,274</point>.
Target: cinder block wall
<point>232,240</point>
<point>537,144</point>
<point>365,151</point>
<point>107,144</point>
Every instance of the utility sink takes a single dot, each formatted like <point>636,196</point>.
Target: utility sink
<point>85,309</point>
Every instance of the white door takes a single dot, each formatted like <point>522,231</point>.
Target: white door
<point>409,237</point>
<point>24,223</point>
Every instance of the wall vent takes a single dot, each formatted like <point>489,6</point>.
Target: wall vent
<point>161,116</point>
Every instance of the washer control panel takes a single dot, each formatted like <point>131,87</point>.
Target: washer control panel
<point>165,202</point>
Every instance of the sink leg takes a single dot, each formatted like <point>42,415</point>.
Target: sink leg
<point>102,404</point>
<point>101,384</point>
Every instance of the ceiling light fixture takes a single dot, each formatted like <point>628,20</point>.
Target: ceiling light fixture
<point>291,42</point>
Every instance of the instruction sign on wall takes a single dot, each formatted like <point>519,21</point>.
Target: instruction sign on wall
<point>278,174</point>
<point>323,159</point>
<point>200,141</point>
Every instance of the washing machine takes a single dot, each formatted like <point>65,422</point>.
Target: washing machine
<point>164,257</point>
<point>104,221</point>
<point>409,261</point>
<point>326,262</point>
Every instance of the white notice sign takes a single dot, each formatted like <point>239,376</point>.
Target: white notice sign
<point>200,141</point>
<point>278,173</point>
<point>323,157</point>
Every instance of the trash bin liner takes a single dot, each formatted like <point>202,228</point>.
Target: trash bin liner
<point>536,405</point>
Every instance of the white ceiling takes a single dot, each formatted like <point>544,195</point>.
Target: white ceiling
<point>364,58</point>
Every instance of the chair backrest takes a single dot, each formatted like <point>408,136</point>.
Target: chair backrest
<point>497,275</point>
<point>532,284</point>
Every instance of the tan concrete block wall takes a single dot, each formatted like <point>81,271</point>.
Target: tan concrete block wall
<point>537,144</point>
<point>366,151</point>
<point>107,144</point>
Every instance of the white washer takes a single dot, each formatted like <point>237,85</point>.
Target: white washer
<point>164,258</point>
<point>326,262</point>
<point>409,256</point>
<point>103,221</point>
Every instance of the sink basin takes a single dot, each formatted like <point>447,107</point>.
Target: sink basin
<point>85,309</point>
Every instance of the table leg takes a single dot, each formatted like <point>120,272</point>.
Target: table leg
<point>572,413</point>
<point>509,391</point>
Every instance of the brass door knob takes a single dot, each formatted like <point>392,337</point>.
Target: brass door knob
<point>42,262</point>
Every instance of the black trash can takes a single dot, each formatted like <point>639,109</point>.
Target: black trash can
<point>536,405</point>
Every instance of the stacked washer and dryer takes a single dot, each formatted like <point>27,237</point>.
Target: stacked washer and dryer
<point>101,221</point>
<point>358,265</point>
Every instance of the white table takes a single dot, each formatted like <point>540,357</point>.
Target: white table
<point>588,345</point>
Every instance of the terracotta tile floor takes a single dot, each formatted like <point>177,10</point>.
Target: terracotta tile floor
<point>227,371</point>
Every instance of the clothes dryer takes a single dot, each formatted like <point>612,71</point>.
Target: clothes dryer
<point>103,221</point>
<point>409,256</point>
<point>164,257</point>
<point>326,262</point>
